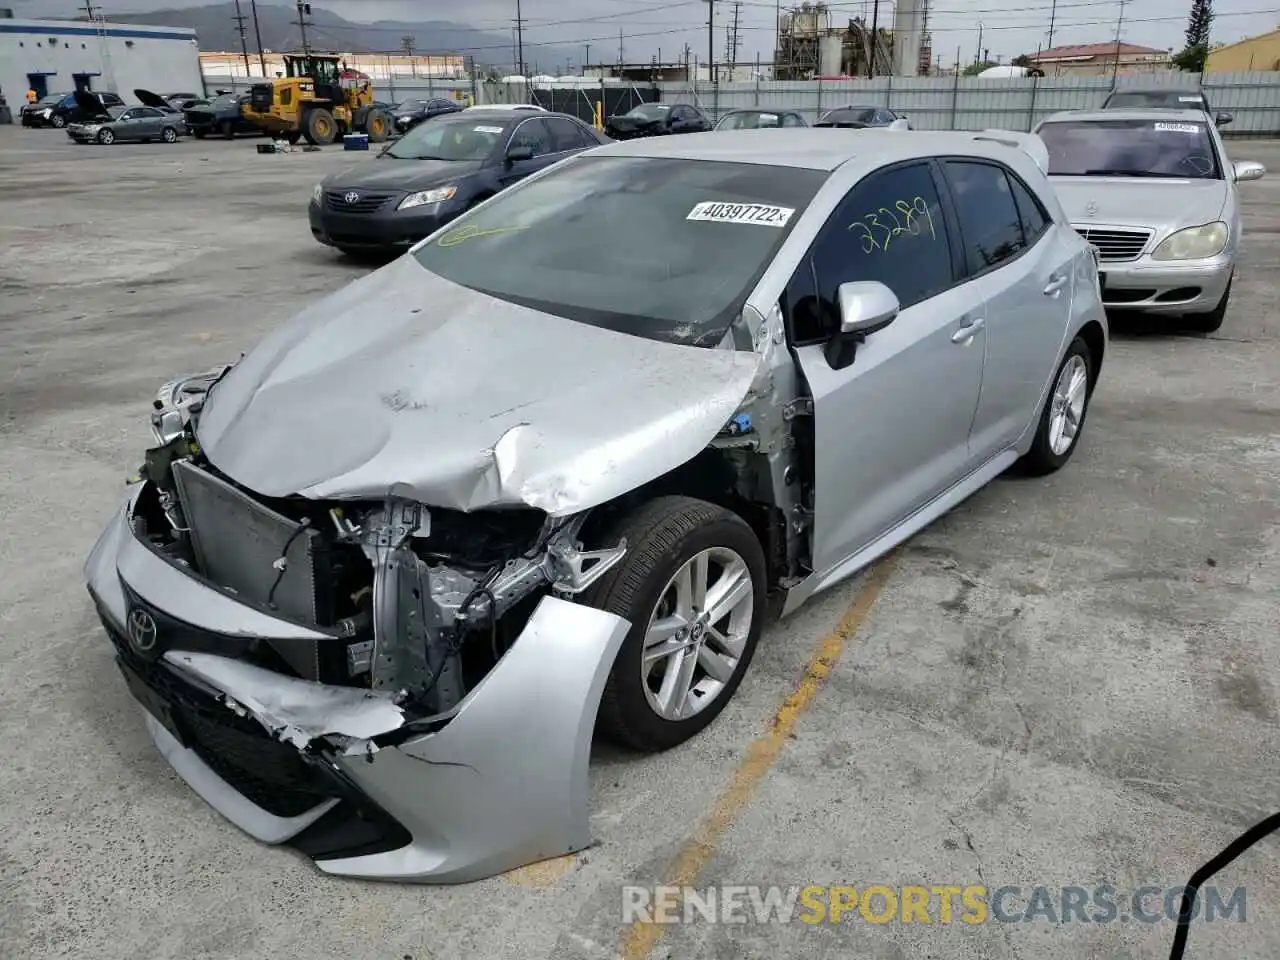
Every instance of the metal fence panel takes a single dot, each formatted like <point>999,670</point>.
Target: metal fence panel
<point>969,103</point>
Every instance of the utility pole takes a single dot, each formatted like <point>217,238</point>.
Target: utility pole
<point>519,40</point>
<point>977,54</point>
<point>406,44</point>
<point>732,47</point>
<point>89,9</point>
<point>875,39</point>
<point>686,62</point>
<point>257,35</point>
<point>1115,63</point>
<point>244,43</point>
<point>620,60</point>
<point>777,38</point>
<point>1053,16</point>
<point>586,60</point>
<point>711,41</point>
<point>304,10</point>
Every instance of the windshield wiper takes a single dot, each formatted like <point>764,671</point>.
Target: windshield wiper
<point>414,156</point>
<point>1134,173</point>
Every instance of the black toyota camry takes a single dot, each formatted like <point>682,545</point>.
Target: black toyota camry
<point>435,172</point>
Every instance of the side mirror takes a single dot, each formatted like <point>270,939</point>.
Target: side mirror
<point>1222,119</point>
<point>516,154</point>
<point>1248,170</point>
<point>865,307</point>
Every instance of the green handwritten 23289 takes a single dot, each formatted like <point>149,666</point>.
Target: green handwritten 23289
<point>908,218</point>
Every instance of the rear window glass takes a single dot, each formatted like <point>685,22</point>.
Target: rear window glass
<point>1174,148</point>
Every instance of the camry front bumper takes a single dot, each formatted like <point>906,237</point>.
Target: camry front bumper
<point>341,773</point>
<point>1166,286</point>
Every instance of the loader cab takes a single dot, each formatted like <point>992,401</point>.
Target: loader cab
<point>323,71</point>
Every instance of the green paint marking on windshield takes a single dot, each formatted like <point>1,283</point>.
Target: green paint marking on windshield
<point>463,234</point>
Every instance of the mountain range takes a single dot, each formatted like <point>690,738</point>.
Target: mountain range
<point>216,30</point>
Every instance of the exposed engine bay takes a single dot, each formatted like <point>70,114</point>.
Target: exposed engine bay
<point>420,603</point>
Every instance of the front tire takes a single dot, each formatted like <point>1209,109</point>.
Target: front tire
<point>1210,322</point>
<point>319,127</point>
<point>59,121</point>
<point>377,125</point>
<point>227,129</point>
<point>106,137</point>
<point>169,135</point>
<point>693,586</point>
<point>1062,419</point>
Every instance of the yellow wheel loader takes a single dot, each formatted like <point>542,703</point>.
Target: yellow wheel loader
<point>312,101</point>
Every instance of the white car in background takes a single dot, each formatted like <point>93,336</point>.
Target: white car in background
<point>1154,192</point>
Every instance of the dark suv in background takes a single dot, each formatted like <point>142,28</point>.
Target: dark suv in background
<point>221,116</point>
<point>412,112</point>
<point>59,109</point>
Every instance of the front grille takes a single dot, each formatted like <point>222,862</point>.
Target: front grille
<point>337,201</point>
<point>238,749</point>
<point>1116,245</point>
<point>260,97</point>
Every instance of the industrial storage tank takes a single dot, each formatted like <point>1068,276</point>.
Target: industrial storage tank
<point>830,56</point>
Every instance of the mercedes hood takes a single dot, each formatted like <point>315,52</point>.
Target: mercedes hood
<point>1162,204</point>
<point>403,383</point>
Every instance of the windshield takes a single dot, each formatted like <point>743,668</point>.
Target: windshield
<point>226,100</point>
<point>53,98</point>
<point>449,139</point>
<point>649,111</point>
<point>698,235</point>
<point>749,120</point>
<point>412,105</point>
<point>116,111</point>
<point>1156,98</point>
<point>850,115</point>
<point>1130,148</point>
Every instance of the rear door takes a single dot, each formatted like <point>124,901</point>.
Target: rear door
<point>566,136</point>
<point>891,429</point>
<point>1022,261</point>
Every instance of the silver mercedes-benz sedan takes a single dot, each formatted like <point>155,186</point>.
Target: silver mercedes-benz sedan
<point>378,582</point>
<point>1154,191</point>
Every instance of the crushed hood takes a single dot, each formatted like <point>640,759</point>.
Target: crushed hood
<point>1133,201</point>
<point>403,383</point>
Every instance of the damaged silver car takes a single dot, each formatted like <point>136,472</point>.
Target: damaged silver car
<point>381,579</point>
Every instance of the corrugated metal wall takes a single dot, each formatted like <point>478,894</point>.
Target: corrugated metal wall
<point>967,103</point>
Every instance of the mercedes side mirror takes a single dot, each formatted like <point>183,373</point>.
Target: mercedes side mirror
<point>865,307</point>
<point>1248,170</point>
<point>516,154</point>
<point>1222,119</point>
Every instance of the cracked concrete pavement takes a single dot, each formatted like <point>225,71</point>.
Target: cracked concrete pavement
<point>1065,682</point>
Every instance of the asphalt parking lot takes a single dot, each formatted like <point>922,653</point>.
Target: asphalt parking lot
<point>1066,682</point>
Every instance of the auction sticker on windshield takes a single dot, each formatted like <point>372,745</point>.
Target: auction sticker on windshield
<point>760,214</point>
<point>488,129</point>
<point>1177,128</point>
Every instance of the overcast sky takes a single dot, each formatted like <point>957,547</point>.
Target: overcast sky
<point>1007,27</point>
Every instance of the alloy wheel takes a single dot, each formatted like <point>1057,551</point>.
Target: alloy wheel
<point>1067,405</point>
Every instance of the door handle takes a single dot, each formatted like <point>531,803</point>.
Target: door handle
<point>968,331</point>
<point>1056,283</point>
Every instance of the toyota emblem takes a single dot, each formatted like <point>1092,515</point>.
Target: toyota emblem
<point>142,631</point>
<point>351,197</point>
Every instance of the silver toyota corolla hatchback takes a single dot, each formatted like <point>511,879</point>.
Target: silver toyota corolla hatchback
<point>381,579</point>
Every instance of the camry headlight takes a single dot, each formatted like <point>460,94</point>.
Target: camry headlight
<point>438,195</point>
<point>1193,243</point>
<point>317,193</point>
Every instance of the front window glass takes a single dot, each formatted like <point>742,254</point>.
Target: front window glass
<point>750,120</point>
<point>666,249</point>
<point>649,111</point>
<point>1130,148</point>
<point>471,139</point>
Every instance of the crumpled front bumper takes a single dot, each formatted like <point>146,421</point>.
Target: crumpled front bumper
<point>498,782</point>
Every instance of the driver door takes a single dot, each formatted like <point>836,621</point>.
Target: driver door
<point>532,133</point>
<point>891,429</point>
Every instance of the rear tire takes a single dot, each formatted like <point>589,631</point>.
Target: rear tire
<point>227,129</point>
<point>377,125</point>
<point>319,127</point>
<point>1065,409</point>
<point>665,537</point>
<point>1210,322</point>
<point>199,134</point>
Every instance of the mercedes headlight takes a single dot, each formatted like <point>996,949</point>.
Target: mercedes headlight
<point>46,113</point>
<point>317,193</point>
<point>1193,243</point>
<point>438,195</point>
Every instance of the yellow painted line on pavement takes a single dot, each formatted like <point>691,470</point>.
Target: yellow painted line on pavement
<point>542,874</point>
<point>642,936</point>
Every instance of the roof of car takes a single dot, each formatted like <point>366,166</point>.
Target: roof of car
<point>1176,91</point>
<point>1128,113</point>
<point>808,147</point>
<point>506,116</point>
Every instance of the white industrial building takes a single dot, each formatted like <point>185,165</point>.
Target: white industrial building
<point>59,56</point>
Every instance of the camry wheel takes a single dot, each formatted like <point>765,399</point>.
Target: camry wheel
<point>169,135</point>
<point>106,137</point>
<point>1064,413</point>
<point>692,584</point>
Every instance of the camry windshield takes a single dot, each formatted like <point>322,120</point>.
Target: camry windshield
<point>1130,148</point>
<point>441,139</point>
<point>412,105</point>
<point>649,111</point>
<point>666,249</point>
<point>749,120</point>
